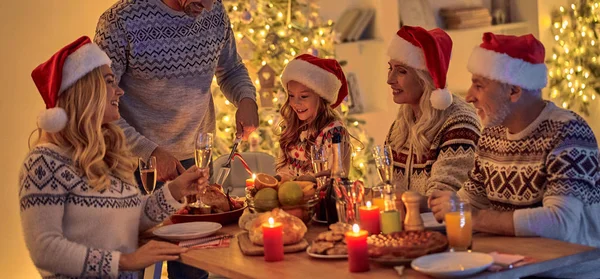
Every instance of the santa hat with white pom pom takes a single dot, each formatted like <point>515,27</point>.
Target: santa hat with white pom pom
<point>61,71</point>
<point>429,51</point>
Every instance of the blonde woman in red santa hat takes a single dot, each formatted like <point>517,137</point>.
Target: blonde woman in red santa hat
<point>434,137</point>
<point>81,209</point>
<point>315,87</point>
<point>537,169</point>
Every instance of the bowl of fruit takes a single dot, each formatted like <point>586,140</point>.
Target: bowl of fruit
<point>215,207</point>
<point>298,198</point>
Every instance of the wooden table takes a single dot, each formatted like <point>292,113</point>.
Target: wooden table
<point>230,262</point>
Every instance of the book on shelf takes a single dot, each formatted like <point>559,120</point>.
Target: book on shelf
<point>361,24</point>
<point>461,18</point>
<point>352,24</point>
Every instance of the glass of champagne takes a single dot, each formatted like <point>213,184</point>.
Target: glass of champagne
<point>384,161</point>
<point>318,156</point>
<point>202,155</point>
<point>148,173</point>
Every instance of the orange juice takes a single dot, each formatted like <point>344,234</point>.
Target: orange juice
<point>379,203</point>
<point>459,229</point>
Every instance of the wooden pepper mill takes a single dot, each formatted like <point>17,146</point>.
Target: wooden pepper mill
<point>413,220</point>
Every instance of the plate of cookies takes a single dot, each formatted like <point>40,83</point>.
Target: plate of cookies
<point>330,244</point>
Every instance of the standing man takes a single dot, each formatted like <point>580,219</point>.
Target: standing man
<point>537,166</point>
<point>164,55</point>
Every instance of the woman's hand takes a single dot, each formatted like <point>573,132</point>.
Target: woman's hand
<point>191,182</point>
<point>152,252</point>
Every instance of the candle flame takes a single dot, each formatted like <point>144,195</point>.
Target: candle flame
<point>271,221</point>
<point>355,228</point>
<point>368,204</point>
<point>253,176</point>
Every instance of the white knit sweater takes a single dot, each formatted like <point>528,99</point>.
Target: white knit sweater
<point>72,230</point>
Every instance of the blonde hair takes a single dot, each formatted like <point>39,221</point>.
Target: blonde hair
<point>421,129</point>
<point>291,127</point>
<point>97,149</point>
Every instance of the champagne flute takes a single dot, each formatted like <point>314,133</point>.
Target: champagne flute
<point>148,173</point>
<point>318,156</point>
<point>202,155</point>
<point>385,163</point>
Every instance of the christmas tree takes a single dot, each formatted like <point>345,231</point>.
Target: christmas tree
<point>270,33</point>
<point>574,68</point>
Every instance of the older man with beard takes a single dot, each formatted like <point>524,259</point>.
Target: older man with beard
<point>537,165</point>
<point>164,55</point>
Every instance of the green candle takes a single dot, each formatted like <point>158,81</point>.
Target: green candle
<point>390,221</point>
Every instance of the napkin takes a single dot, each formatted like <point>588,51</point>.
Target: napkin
<point>506,259</point>
<point>217,241</point>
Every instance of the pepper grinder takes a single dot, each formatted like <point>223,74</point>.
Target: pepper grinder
<point>413,220</point>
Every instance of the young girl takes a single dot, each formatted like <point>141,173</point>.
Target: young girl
<point>433,139</point>
<point>315,87</point>
<point>81,210</point>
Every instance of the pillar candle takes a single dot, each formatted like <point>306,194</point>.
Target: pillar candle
<point>369,218</point>
<point>358,252</point>
<point>390,221</point>
<point>273,241</point>
<point>250,181</point>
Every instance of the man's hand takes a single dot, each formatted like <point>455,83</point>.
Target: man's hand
<point>246,118</point>
<point>191,182</point>
<point>168,167</point>
<point>439,203</point>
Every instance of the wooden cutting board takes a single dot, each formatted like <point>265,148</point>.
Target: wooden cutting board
<point>250,249</point>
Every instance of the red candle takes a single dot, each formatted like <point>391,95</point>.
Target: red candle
<point>273,241</point>
<point>369,218</point>
<point>250,181</point>
<point>358,254</point>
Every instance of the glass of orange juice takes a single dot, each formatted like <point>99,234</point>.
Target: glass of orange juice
<point>459,225</point>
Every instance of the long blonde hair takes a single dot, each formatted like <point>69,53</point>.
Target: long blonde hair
<point>291,127</point>
<point>422,129</point>
<point>96,149</point>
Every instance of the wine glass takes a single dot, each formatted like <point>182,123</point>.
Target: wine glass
<point>385,162</point>
<point>148,173</point>
<point>318,156</point>
<point>202,155</point>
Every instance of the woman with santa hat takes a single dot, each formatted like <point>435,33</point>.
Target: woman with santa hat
<point>81,209</point>
<point>434,136</point>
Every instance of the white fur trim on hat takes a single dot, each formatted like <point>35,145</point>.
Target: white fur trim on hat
<point>323,82</point>
<point>440,98</point>
<point>507,69</point>
<point>52,120</point>
<point>405,52</point>
<point>85,59</point>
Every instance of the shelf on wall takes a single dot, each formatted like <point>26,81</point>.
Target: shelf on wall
<point>491,28</point>
<point>359,42</point>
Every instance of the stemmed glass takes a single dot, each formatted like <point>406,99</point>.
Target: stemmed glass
<point>318,156</point>
<point>202,155</point>
<point>385,162</point>
<point>148,173</point>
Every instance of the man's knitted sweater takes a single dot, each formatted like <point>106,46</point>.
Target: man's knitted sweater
<point>72,230</point>
<point>166,61</point>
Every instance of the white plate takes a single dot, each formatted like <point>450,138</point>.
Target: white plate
<point>430,223</point>
<point>452,264</point>
<point>185,231</point>
<point>319,256</point>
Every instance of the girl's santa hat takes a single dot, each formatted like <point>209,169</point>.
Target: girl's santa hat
<point>429,51</point>
<point>515,60</point>
<point>324,76</point>
<point>61,71</point>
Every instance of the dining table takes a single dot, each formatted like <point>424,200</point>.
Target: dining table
<point>542,255</point>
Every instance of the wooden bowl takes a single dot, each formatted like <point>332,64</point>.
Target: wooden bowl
<point>224,218</point>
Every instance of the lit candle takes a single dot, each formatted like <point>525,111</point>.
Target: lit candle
<point>358,254</point>
<point>250,181</point>
<point>369,218</point>
<point>273,241</point>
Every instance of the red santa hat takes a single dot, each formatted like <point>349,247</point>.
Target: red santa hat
<point>324,76</point>
<point>510,59</point>
<point>61,71</point>
<point>429,51</point>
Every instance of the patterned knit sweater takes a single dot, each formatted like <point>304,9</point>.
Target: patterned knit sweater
<point>548,174</point>
<point>72,230</point>
<point>165,61</point>
<point>299,162</point>
<point>448,160</point>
